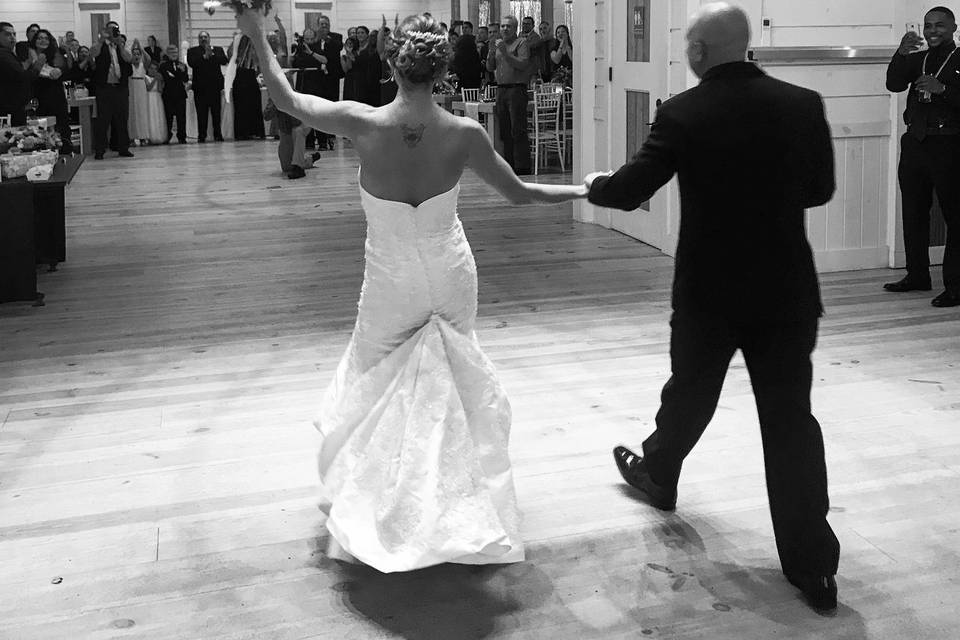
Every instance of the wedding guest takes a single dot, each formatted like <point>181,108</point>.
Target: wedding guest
<point>509,59</point>
<point>562,53</point>
<point>153,50</point>
<point>206,61</point>
<point>156,122</point>
<point>23,47</point>
<point>112,69</point>
<point>467,63</point>
<point>483,47</point>
<point>321,48</point>
<point>541,52</point>
<point>139,118</point>
<point>79,69</point>
<point>64,41</point>
<point>176,81</point>
<point>388,86</point>
<point>348,56</point>
<point>528,33</point>
<point>930,151</point>
<point>48,83</point>
<point>247,109</point>
<point>14,79</point>
<point>351,33</point>
<point>368,65</point>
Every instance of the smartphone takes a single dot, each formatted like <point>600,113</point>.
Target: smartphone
<point>918,29</point>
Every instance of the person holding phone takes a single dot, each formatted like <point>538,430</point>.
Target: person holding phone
<point>930,150</point>
<point>111,72</point>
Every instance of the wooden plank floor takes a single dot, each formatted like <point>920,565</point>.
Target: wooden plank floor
<point>157,472</point>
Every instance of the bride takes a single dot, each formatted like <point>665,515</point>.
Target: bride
<point>413,463</point>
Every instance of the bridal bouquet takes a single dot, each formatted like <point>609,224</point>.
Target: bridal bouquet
<point>211,6</point>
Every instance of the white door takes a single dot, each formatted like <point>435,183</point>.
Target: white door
<point>639,78</point>
<point>91,17</point>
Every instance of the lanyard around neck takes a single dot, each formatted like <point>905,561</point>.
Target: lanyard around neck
<point>942,66</point>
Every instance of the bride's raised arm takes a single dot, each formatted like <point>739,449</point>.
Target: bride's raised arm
<point>345,118</point>
<point>495,171</point>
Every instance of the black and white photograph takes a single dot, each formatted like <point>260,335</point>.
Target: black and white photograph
<point>479,319</point>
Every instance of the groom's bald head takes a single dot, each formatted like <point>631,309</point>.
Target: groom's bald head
<point>719,33</point>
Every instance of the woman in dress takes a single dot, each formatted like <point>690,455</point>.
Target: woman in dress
<point>413,465</point>
<point>369,68</point>
<point>348,59</point>
<point>44,56</point>
<point>138,121</point>
<point>247,105</point>
<point>157,118</point>
<point>562,54</point>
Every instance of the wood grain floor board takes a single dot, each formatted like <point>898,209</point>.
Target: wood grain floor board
<point>157,452</point>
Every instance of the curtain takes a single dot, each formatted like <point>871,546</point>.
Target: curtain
<point>523,8</point>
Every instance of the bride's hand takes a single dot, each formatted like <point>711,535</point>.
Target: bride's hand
<point>590,177</point>
<point>254,23</point>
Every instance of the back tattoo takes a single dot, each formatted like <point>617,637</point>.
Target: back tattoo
<point>412,135</point>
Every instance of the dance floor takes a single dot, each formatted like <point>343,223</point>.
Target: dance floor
<point>157,474</point>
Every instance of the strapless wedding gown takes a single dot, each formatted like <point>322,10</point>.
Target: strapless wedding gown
<point>413,465</point>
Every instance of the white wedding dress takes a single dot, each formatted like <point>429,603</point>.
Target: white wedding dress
<point>413,465</point>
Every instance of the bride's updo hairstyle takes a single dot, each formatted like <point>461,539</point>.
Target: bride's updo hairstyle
<point>418,50</point>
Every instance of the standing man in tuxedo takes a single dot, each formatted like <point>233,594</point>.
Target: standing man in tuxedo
<point>327,49</point>
<point>751,154</point>
<point>206,61</point>
<point>111,71</point>
<point>929,150</point>
<point>467,63</point>
<point>175,83</point>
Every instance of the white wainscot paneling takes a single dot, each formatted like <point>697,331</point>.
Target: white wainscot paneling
<point>351,13</point>
<point>145,18</point>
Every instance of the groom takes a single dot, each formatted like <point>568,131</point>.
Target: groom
<point>751,154</point>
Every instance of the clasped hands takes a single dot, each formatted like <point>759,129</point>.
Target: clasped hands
<point>929,83</point>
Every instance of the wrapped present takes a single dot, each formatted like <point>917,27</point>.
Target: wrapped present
<point>16,165</point>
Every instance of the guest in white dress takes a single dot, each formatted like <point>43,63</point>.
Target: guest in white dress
<point>156,116</point>
<point>138,121</point>
<point>415,424</point>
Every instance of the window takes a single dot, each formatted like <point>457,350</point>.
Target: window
<point>520,9</point>
<point>485,17</point>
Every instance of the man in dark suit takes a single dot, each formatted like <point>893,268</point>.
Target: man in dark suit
<point>751,154</point>
<point>175,81</point>
<point>320,49</point>
<point>930,150</point>
<point>14,79</point>
<point>206,61</point>
<point>111,72</point>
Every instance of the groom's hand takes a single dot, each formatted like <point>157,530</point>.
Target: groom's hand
<point>590,177</point>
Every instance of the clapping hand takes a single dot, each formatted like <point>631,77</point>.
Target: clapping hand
<point>254,23</point>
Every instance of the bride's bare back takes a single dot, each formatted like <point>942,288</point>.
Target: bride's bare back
<point>410,153</point>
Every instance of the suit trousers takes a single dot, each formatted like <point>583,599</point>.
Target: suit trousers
<point>113,111</point>
<point>207,103</point>
<point>176,106</point>
<point>778,361</point>
<point>932,164</point>
<point>512,116</point>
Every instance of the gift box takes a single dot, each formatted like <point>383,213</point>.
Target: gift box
<point>16,165</point>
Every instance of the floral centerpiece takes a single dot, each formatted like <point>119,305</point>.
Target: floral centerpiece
<point>211,6</point>
<point>22,148</point>
<point>562,76</point>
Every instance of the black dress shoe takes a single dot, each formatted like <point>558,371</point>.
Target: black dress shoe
<point>947,299</point>
<point>125,154</point>
<point>908,284</point>
<point>635,473</point>
<point>819,591</point>
<point>296,171</point>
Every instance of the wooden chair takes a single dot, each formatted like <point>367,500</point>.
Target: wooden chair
<point>490,93</point>
<point>545,132</point>
<point>567,132</point>
<point>470,95</point>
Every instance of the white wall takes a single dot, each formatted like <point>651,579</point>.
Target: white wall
<point>142,17</point>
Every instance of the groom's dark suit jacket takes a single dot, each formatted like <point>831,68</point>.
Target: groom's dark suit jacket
<point>751,153</point>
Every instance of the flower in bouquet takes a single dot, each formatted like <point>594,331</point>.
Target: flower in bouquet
<point>28,139</point>
<point>562,76</point>
<point>211,6</point>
